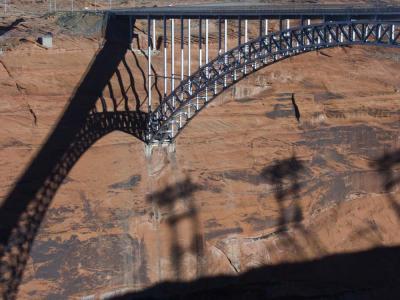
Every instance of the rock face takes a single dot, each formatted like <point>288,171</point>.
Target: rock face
<point>296,162</point>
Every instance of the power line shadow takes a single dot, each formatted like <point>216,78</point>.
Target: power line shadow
<point>284,176</point>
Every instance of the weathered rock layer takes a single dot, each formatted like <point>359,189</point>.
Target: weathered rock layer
<point>249,185</point>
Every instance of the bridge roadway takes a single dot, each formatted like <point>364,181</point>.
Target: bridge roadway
<point>264,11</point>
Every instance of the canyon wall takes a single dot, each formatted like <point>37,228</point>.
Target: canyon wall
<point>250,183</point>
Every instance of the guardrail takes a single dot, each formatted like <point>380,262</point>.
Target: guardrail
<point>8,8</point>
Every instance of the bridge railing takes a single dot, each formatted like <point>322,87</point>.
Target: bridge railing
<point>10,7</point>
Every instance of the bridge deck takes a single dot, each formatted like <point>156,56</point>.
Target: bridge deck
<point>256,11</point>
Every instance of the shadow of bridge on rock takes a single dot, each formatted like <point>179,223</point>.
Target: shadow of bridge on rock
<point>100,104</point>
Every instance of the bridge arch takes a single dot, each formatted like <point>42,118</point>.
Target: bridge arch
<point>194,93</point>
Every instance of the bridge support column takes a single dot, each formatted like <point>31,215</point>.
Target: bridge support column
<point>239,43</point>
<point>165,56</point>
<point>182,50</point>
<point>149,64</point>
<point>200,56</point>
<point>189,67</point>
<point>207,75</point>
<point>182,62</point>
<point>260,34</point>
<point>200,43</point>
<point>173,68</point>
<point>288,34</point>
<point>173,59</point>
<point>225,45</point>
<point>219,49</point>
<point>154,34</point>
<point>246,49</point>
<point>266,33</point>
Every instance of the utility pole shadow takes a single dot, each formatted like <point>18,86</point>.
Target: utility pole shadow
<point>385,166</point>
<point>284,175</point>
<point>170,198</point>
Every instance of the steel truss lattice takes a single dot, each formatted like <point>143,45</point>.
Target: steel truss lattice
<point>194,93</point>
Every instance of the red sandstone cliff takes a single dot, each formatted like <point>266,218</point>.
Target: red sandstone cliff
<point>248,185</point>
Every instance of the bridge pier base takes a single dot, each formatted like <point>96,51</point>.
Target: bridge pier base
<point>168,146</point>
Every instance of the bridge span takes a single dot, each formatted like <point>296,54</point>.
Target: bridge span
<point>201,59</point>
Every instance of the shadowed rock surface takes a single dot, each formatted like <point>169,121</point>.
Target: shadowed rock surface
<point>250,192</point>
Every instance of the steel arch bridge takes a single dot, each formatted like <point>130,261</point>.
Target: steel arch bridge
<point>284,31</point>
<point>194,93</point>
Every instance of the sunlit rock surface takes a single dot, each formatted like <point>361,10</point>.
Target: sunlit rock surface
<point>249,185</point>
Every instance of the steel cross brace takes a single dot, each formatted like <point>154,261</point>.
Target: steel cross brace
<point>218,75</point>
